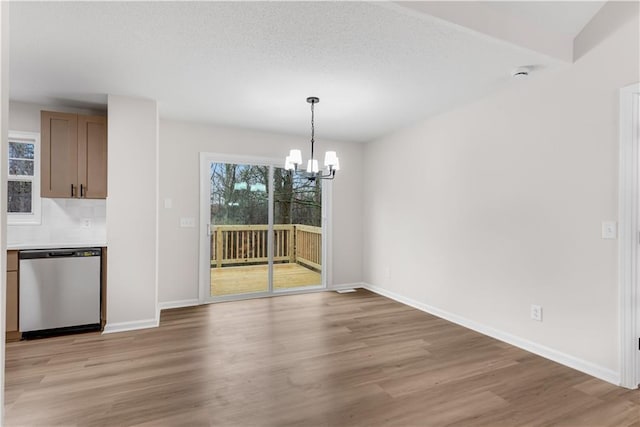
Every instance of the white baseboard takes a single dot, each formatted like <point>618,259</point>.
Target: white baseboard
<point>532,347</point>
<point>193,302</point>
<point>110,328</point>
<point>178,303</point>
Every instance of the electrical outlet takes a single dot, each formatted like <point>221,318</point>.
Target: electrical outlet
<point>86,222</point>
<point>536,312</point>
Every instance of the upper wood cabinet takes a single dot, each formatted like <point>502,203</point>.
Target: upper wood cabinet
<point>74,156</point>
<point>92,156</point>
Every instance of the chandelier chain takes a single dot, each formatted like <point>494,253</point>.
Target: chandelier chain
<point>312,129</point>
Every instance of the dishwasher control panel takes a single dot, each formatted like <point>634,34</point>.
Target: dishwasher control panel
<point>60,253</point>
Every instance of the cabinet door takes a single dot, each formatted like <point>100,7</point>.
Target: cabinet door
<point>59,152</point>
<point>12,260</point>
<point>12,301</point>
<point>92,157</point>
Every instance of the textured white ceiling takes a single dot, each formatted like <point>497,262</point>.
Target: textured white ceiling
<point>252,64</point>
<point>566,17</point>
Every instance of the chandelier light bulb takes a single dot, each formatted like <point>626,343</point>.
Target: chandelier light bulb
<point>312,166</point>
<point>288,164</point>
<point>330,158</point>
<point>295,157</point>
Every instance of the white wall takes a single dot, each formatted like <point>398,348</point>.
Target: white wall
<point>25,116</point>
<point>62,219</point>
<point>4,129</point>
<point>610,17</point>
<point>498,205</point>
<point>132,213</point>
<point>180,145</point>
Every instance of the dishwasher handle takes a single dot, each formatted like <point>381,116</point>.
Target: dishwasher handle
<point>61,254</point>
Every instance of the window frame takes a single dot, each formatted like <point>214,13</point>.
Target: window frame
<point>35,217</point>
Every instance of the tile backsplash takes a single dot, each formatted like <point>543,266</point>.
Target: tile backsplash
<point>64,221</point>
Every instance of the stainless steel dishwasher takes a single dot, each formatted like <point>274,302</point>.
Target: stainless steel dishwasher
<point>59,291</point>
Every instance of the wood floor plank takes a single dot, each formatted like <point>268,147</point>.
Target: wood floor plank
<point>322,359</point>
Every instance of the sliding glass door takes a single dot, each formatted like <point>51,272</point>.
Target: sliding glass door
<point>239,230</point>
<point>262,229</point>
<point>297,220</point>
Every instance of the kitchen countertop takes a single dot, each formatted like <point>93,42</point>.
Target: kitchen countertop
<point>27,246</point>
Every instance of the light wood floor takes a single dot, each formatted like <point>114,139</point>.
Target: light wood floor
<point>253,278</point>
<point>321,359</point>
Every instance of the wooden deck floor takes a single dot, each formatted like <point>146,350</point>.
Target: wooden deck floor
<point>320,359</point>
<point>246,279</point>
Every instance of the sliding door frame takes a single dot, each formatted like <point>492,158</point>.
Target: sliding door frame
<point>204,265</point>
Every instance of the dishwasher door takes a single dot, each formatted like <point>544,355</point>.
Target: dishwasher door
<point>59,289</point>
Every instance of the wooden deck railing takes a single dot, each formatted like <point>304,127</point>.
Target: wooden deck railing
<point>308,242</point>
<point>247,244</point>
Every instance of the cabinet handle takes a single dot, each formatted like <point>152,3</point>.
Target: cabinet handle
<point>81,190</point>
<point>72,192</point>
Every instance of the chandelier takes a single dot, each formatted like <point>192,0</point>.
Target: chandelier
<point>313,172</point>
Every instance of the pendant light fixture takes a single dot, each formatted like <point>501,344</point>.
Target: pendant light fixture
<point>313,172</point>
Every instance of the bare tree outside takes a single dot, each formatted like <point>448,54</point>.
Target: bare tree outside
<point>21,164</point>
<point>239,195</point>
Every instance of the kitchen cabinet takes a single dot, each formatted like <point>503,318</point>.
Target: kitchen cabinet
<point>12,333</point>
<point>74,156</point>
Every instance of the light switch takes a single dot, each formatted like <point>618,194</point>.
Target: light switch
<point>168,203</point>
<point>609,230</point>
<point>187,222</point>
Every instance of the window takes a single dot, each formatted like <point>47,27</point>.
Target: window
<point>23,180</point>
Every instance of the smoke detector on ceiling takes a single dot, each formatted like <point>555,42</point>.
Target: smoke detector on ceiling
<point>520,72</point>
